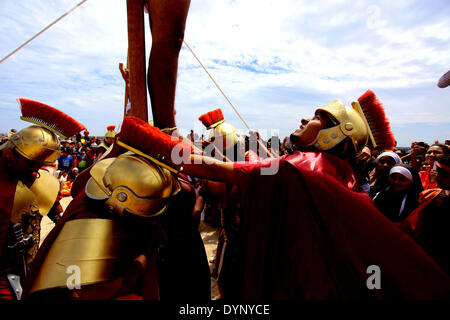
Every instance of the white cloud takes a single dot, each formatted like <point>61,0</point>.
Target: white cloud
<point>332,49</point>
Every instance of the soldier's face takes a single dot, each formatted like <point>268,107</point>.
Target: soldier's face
<point>309,129</point>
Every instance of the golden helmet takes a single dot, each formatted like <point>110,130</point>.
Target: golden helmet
<point>220,129</point>
<point>36,143</point>
<point>131,183</point>
<point>110,133</point>
<point>349,123</point>
<point>224,131</point>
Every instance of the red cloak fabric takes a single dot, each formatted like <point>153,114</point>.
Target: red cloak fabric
<point>7,192</point>
<point>306,235</point>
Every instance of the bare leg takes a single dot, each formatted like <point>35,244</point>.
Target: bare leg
<point>167,23</point>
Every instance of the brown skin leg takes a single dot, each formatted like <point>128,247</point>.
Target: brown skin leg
<point>167,23</point>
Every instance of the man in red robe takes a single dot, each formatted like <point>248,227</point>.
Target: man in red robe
<point>305,233</point>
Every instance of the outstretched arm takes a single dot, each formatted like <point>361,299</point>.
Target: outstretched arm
<point>211,168</point>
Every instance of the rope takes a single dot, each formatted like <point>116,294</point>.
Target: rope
<point>235,110</point>
<point>42,31</point>
<point>192,51</point>
<point>187,45</point>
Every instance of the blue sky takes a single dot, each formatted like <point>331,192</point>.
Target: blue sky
<point>276,61</point>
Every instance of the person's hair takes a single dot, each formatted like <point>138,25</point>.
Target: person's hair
<point>445,160</point>
<point>275,138</point>
<point>71,175</point>
<point>423,144</point>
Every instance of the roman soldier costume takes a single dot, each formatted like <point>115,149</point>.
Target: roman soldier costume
<point>223,135</point>
<point>105,144</point>
<point>129,207</point>
<point>110,133</point>
<point>224,198</point>
<point>28,192</point>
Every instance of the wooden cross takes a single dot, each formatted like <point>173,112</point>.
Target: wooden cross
<point>135,74</point>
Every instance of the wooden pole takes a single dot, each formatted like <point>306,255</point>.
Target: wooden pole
<point>125,74</point>
<point>136,60</point>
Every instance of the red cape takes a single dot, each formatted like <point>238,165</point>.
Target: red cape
<point>7,193</point>
<point>307,235</point>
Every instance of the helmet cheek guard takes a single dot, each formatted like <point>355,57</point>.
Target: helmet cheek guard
<point>132,183</point>
<point>123,199</point>
<point>350,124</point>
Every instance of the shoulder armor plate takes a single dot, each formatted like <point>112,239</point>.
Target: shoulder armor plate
<point>46,189</point>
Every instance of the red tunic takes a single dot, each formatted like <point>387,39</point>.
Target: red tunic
<point>306,235</point>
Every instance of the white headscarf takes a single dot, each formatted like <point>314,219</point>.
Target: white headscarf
<point>391,154</point>
<point>403,171</point>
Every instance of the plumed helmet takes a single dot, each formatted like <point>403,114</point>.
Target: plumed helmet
<point>220,129</point>
<point>225,131</point>
<point>40,142</point>
<point>110,133</point>
<point>131,183</point>
<point>349,123</point>
<point>35,143</point>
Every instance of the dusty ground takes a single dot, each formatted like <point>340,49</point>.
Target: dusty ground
<point>209,236</point>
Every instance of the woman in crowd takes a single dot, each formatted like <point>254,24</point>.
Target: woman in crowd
<point>399,198</point>
<point>428,176</point>
<point>379,177</point>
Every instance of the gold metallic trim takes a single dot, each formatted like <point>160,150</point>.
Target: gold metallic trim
<point>216,124</point>
<point>159,163</point>
<point>44,125</point>
<point>357,107</point>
